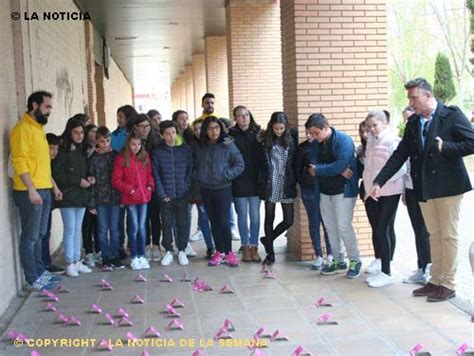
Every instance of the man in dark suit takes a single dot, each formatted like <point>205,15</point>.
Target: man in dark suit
<point>435,139</point>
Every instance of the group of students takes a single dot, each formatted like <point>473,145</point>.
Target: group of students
<point>154,171</point>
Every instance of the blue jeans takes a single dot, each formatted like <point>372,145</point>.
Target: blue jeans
<point>46,256</point>
<point>34,223</point>
<point>108,221</point>
<point>72,235</point>
<point>248,207</point>
<point>203,224</point>
<point>311,200</point>
<point>136,229</point>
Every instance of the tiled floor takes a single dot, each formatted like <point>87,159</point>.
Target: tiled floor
<point>385,321</point>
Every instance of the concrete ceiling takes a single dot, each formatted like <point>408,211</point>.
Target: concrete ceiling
<point>151,40</point>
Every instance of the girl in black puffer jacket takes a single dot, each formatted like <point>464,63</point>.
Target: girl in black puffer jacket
<point>218,163</point>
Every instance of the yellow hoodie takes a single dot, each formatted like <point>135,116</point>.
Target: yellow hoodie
<point>30,154</point>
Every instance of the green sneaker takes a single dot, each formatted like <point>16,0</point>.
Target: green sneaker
<point>341,267</point>
<point>354,269</point>
<point>329,269</point>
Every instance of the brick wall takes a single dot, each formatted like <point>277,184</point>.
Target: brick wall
<point>189,84</point>
<point>217,74</point>
<point>9,113</point>
<point>334,62</point>
<point>254,56</point>
<point>182,92</point>
<point>90,63</point>
<point>199,77</point>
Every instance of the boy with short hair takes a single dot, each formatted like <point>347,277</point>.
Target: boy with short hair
<point>106,200</point>
<point>172,167</point>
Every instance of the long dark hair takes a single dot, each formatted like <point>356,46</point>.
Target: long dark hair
<point>203,138</point>
<point>66,136</point>
<point>126,153</point>
<point>252,125</point>
<point>128,111</point>
<point>269,137</point>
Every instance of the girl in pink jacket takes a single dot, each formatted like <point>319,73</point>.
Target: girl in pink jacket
<point>132,177</point>
<point>381,143</point>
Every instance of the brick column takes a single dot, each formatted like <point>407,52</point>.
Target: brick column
<point>90,63</point>
<point>100,94</point>
<point>216,73</point>
<point>334,62</point>
<point>254,56</point>
<point>189,84</point>
<point>199,78</point>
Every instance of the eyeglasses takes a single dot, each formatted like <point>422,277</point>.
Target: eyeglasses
<point>144,126</point>
<point>214,128</point>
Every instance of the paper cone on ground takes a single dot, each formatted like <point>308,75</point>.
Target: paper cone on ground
<point>198,352</point>
<point>105,285</point>
<point>278,336</point>
<point>140,278</point>
<point>136,299</point>
<point>166,279</point>
<point>321,302</point>
<point>222,333</point>
<point>460,350</point>
<point>324,319</point>
<point>269,275</point>
<point>110,319</point>
<point>257,352</point>
<point>177,303</point>
<point>105,344</point>
<point>49,307</point>
<point>124,322</point>
<point>145,353</point>
<point>95,309</point>
<point>226,289</point>
<point>416,349</point>
<point>300,351</point>
<point>175,325</point>
<point>122,312</point>
<point>73,320</point>
<point>151,332</point>
<point>130,336</point>
<point>61,318</point>
<point>261,334</point>
<point>228,325</point>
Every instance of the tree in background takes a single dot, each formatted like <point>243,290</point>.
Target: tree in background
<point>443,80</point>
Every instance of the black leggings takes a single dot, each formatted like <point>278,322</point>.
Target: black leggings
<point>272,234</point>
<point>381,216</point>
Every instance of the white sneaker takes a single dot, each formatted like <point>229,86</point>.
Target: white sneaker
<point>235,235</point>
<point>135,264</point>
<point>182,258</point>
<point>148,253</point>
<point>418,277</point>
<point>197,236</point>
<point>82,268</point>
<point>155,254</point>
<point>71,270</point>
<point>144,264</point>
<point>189,251</point>
<point>329,260</point>
<point>89,260</point>
<point>167,259</point>
<point>317,264</point>
<point>372,277</point>
<point>381,280</point>
<point>374,267</point>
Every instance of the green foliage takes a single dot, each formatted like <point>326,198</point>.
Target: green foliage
<point>443,84</point>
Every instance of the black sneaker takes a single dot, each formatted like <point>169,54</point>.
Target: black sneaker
<point>107,265</point>
<point>269,260</point>
<point>116,263</point>
<point>209,253</point>
<point>55,269</point>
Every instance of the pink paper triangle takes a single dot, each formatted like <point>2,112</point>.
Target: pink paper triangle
<point>130,336</point>
<point>122,312</point>
<point>49,307</point>
<point>136,299</point>
<point>95,309</point>
<point>140,278</point>
<point>300,351</point>
<point>73,320</point>
<point>198,352</point>
<point>175,325</point>
<point>124,322</point>
<point>110,319</point>
<point>61,289</point>
<point>278,336</point>
<point>460,350</point>
<point>228,325</point>
<point>35,353</point>
<point>145,353</point>
<point>226,289</point>
<point>167,279</point>
<point>222,333</point>
<point>261,334</point>
<point>177,303</point>
<point>269,275</point>
<point>417,348</point>
<point>151,331</point>
<point>106,344</point>
<point>185,277</point>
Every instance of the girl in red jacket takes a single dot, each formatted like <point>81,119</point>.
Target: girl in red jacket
<point>132,177</point>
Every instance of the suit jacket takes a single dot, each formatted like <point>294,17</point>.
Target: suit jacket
<point>435,174</point>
